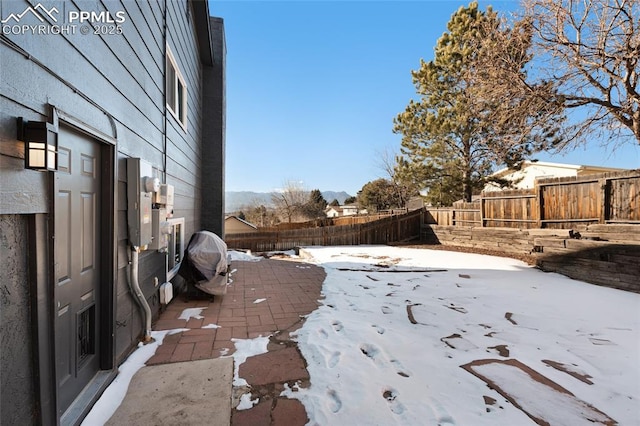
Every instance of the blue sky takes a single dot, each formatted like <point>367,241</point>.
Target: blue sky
<point>313,87</point>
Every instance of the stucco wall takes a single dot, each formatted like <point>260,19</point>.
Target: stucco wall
<point>17,405</point>
<point>116,88</point>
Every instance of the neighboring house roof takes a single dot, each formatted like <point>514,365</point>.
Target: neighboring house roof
<point>532,170</point>
<point>345,210</point>
<point>232,217</point>
<point>580,169</point>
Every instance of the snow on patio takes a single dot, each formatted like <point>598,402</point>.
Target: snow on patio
<point>397,325</point>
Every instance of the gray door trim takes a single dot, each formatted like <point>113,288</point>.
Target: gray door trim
<point>42,245</point>
<point>108,230</point>
<point>79,124</point>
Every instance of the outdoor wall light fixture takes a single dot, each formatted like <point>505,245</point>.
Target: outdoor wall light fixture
<point>41,144</point>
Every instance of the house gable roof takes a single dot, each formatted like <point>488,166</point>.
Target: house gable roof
<point>507,171</point>
<point>241,221</point>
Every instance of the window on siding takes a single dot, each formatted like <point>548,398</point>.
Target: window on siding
<point>176,90</point>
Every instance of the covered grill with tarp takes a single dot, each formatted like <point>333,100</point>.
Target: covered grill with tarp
<point>204,265</point>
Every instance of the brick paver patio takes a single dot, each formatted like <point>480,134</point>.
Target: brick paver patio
<point>291,291</point>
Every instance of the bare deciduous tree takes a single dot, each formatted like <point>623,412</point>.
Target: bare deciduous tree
<point>586,55</point>
<point>388,162</point>
<point>260,215</point>
<point>289,201</point>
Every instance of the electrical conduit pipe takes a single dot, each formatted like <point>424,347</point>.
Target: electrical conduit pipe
<point>139,296</point>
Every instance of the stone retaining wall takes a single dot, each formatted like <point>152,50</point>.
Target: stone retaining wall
<point>607,255</point>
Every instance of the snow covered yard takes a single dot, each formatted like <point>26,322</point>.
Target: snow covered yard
<point>397,325</point>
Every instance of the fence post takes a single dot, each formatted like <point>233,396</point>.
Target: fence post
<point>481,210</point>
<point>605,194</point>
<point>540,202</point>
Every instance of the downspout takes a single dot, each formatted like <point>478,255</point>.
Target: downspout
<point>164,93</point>
<point>165,124</point>
<point>139,296</point>
<point>134,284</point>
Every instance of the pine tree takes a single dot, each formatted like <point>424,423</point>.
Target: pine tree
<point>315,207</point>
<point>350,200</point>
<point>379,194</point>
<point>450,143</point>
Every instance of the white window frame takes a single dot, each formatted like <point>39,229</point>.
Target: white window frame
<point>178,111</point>
<point>176,246</point>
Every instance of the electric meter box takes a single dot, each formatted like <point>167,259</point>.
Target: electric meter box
<point>160,230</point>
<point>164,196</point>
<point>140,188</point>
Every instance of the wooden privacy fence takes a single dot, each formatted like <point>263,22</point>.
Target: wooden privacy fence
<point>461,214</point>
<point>382,231</point>
<point>559,203</point>
<point>330,221</point>
<point>355,219</point>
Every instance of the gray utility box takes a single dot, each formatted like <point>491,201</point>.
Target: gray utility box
<point>140,188</point>
<point>161,229</point>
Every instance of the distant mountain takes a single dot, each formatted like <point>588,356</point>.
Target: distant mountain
<point>332,195</point>
<point>236,200</point>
